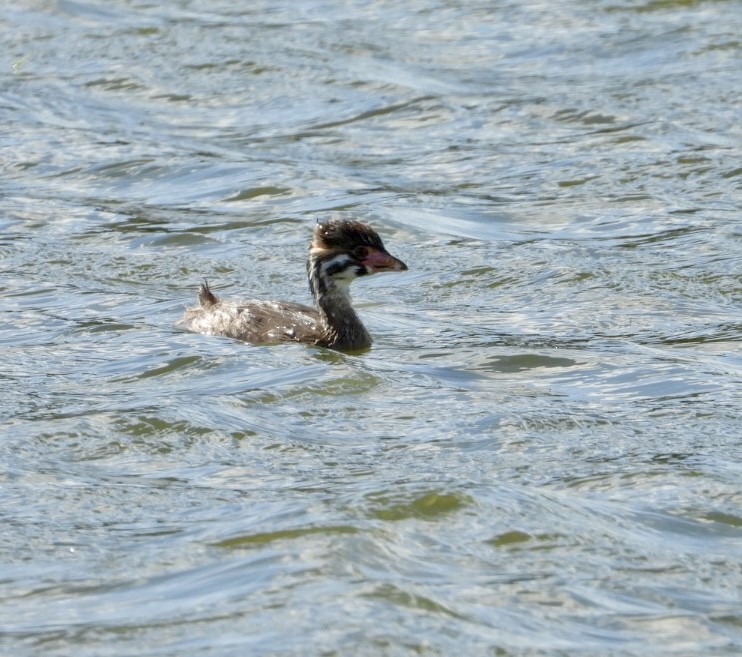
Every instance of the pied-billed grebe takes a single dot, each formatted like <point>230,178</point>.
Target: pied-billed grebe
<point>340,251</point>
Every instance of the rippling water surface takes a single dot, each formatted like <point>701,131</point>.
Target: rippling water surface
<point>540,455</point>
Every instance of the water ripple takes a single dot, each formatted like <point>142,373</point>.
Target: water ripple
<point>540,454</point>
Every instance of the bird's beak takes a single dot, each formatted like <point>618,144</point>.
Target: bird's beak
<point>378,260</point>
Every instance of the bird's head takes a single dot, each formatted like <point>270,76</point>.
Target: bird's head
<point>343,250</point>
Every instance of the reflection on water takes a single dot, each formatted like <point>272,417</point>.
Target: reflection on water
<point>540,453</point>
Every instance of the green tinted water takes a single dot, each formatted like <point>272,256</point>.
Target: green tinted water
<point>540,455</point>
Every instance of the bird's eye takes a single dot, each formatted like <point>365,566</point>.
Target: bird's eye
<point>360,252</point>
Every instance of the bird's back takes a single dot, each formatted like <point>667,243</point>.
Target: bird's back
<point>260,322</point>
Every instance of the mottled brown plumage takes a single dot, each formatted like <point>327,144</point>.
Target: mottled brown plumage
<point>340,251</point>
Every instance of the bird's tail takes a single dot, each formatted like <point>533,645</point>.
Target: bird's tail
<point>206,298</point>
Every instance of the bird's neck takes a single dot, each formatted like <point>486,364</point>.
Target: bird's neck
<point>343,327</point>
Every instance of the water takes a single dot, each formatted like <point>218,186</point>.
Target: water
<point>541,454</point>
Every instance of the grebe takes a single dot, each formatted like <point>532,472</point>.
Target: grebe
<point>341,251</point>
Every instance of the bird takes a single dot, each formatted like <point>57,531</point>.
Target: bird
<point>341,250</point>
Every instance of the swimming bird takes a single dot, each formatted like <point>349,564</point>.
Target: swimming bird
<point>340,252</point>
